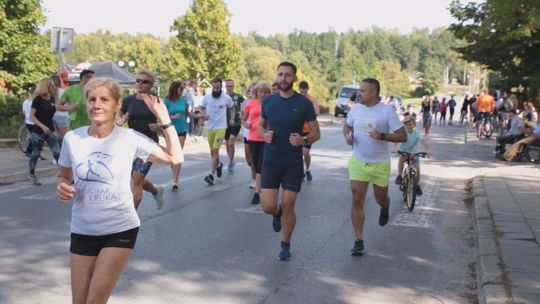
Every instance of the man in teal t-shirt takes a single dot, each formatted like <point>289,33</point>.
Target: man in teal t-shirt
<point>232,130</point>
<point>75,95</point>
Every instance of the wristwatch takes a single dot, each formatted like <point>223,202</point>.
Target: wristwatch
<point>305,140</point>
<point>165,126</point>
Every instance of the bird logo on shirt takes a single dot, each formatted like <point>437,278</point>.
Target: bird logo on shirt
<point>94,168</point>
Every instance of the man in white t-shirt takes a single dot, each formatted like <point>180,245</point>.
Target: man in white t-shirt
<point>370,126</point>
<point>214,111</point>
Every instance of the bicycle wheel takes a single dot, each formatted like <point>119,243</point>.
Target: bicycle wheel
<point>23,138</point>
<point>411,193</point>
<point>532,152</point>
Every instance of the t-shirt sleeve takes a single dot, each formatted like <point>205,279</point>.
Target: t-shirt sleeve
<point>145,145</point>
<point>65,152</point>
<point>125,105</point>
<point>35,104</point>
<point>350,120</point>
<point>230,102</point>
<point>263,108</point>
<point>393,120</point>
<point>310,112</point>
<point>247,107</point>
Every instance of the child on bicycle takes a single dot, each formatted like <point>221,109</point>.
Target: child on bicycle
<point>413,139</point>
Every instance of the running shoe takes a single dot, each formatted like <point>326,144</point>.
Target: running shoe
<point>252,185</point>
<point>399,180</point>
<point>256,199</point>
<point>209,179</point>
<point>230,167</point>
<point>418,190</point>
<point>158,197</point>
<point>276,221</point>
<point>219,170</point>
<point>383,217</point>
<point>42,158</point>
<point>34,180</point>
<point>308,176</point>
<point>175,185</point>
<point>358,248</point>
<point>285,251</point>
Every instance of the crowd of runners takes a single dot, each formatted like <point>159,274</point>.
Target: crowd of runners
<point>105,158</point>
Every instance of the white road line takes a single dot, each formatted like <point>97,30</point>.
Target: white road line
<point>253,209</point>
<point>423,212</point>
<point>39,197</point>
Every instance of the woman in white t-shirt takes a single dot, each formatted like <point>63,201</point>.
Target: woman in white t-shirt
<point>95,172</point>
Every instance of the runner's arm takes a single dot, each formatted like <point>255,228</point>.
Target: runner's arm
<point>64,189</point>
<point>314,134</point>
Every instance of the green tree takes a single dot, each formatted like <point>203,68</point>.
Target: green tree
<point>207,43</point>
<point>24,53</point>
<point>396,81</point>
<point>504,36</point>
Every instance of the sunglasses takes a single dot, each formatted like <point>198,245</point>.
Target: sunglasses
<point>143,81</point>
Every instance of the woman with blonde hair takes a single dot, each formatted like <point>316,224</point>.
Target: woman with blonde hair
<point>41,114</point>
<point>95,172</point>
<point>250,120</point>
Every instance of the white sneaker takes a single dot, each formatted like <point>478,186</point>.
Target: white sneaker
<point>252,185</point>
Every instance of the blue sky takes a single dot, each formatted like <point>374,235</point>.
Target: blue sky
<point>265,17</point>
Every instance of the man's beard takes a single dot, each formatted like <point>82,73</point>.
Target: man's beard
<point>216,94</point>
<point>284,89</point>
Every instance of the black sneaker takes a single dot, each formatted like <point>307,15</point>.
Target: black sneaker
<point>276,221</point>
<point>219,170</point>
<point>383,217</point>
<point>418,190</point>
<point>209,179</point>
<point>285,251</point>
<point>399,180</point>
<point>256,199</point>
<point>358,248</point>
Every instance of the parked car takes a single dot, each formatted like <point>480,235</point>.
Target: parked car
<point>342,101</point>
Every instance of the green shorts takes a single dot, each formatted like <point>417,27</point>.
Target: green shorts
<point>215,138</point>
<point>375,173</point>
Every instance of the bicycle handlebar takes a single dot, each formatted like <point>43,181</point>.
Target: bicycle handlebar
<point>421,154</point>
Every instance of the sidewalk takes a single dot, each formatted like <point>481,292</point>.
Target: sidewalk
<point>14,164</point>
<point>507,227</point>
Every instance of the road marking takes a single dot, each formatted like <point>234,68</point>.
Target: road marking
<point>252,209</point>
<point>424,210</point>
<point>39,197</point>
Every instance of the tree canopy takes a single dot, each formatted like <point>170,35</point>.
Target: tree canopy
<point>504,36</point>
<point>24,53</point>
<point>206,41</point>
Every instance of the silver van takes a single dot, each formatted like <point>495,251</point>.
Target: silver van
<point>342,100</point>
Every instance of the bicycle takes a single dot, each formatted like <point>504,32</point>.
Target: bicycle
<point>23,138</point>
<point>410,178</point>
<point>481,127</point>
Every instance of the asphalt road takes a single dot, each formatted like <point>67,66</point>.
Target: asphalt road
<point>210,245</point>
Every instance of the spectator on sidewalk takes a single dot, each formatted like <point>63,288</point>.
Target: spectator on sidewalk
<point>517,127</point>
<point>74,96</point>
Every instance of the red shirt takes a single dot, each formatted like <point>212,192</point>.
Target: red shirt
<point>253,110</point>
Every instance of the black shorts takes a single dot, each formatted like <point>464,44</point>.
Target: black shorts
<point>245,140</point>
<point>140,166</point>
<point>182,134</point>
<point>306,146</point>
<point>289,177</point>
<point>234,130</point>
<point>257,152</point>
<point>91,245</point>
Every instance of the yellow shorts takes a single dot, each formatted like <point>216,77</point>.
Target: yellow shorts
<point>215,138</point>
<point>375,173</point>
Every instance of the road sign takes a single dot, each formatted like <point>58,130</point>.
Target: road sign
<point>62,39</point>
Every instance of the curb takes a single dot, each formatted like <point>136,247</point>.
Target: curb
<point>492,287</point>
